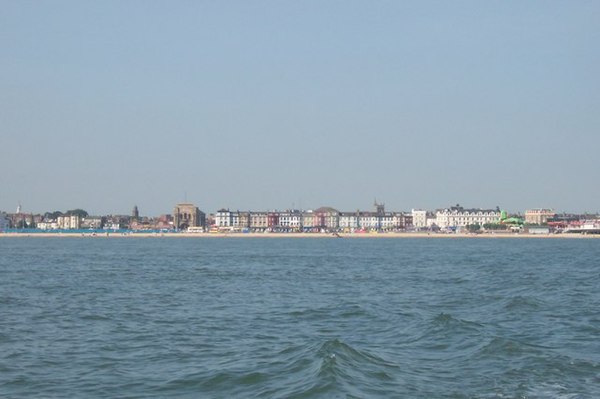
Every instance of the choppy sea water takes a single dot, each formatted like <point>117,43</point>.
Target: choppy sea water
<point>299,318</point>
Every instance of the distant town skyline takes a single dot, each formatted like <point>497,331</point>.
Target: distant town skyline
<point>274,105</point>
<point>135,209</point>
<point>188,218</point>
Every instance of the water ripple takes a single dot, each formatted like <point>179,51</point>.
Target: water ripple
<point>299,318</point>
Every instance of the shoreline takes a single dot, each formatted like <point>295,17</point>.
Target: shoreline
<point>300,235</point>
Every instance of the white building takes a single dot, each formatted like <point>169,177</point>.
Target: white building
<point>368,221</point>
<point>290,220</point>
<point>349,220</point>
<point>48,225</point>
<point>91,222</point>
<point>69,222</point>
<point>431,219</point>
<point>224,218</point>
<point>419,218</point>
<point>457,216</point>
<point>388,221</point>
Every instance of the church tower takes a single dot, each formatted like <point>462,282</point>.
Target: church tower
<point>379,208</point>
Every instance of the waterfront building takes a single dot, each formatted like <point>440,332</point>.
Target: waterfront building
<point>321,219</point>
<point>349,220</point>
<point>457,216</point>
<point>223,218</point>
<point>164,222</point>
<point>116,222</point>
<point>380,220</point>
<point>92,222</point>
<point>231,220</point>
<point>4,221</point>
<point>140,224</point>
<point>419,218</point>
<point>408,221</point>
<point>18,220</point>
<point>112,226</point>
<point>259,221</point>
<point>235,220</point>
<point>539,216</point>
<point>273,220</point>
<point>188,215</point>
<point>135,213</point>
<point>368,221</point>
<point>401,220</point>
<point>47,225</point>
<point>308,220</point>
<point>69,222</point>
<point>377,220</point>
<point>431,219</point>
<point>244,220</point>
<point>290,220</point>
<point>388,221</point>
<point>327,218</point>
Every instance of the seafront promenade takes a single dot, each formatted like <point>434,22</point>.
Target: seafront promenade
<point>187,219</point>
<point>298,235</point>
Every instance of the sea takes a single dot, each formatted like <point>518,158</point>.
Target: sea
<point>160,317</point>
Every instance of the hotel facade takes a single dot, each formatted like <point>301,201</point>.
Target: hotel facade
<point>457,216</point>
<point>321,219</point>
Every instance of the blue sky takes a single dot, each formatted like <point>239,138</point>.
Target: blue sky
<point>274,104</point>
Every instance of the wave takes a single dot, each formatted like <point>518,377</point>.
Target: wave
<point>94,317</point>
<point>335,366</point>
<point>503,347</point>
<point>220,381</point>
<point>346,311</point>
<point>331,368</point>
<point>449,321</point>
<point>446,327</point>
<point>336,352</point>
<point>9,300</point>
<point>522,303</point>
<point>446,337</point>
<point>525,370</point>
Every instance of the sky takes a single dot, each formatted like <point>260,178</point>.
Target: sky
<point>260,105</point>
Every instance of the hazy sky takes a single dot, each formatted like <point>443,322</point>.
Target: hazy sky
<point>273,104</point>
